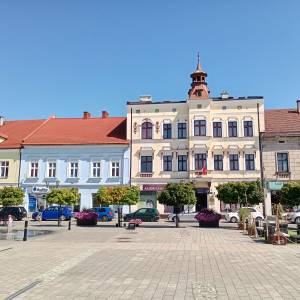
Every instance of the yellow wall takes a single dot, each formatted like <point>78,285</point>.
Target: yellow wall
<point>13,156</point>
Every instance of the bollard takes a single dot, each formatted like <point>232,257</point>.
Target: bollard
<point>25,231</point>
<point>298,229</point>
<point>58,222</point>
<point>69,228</point>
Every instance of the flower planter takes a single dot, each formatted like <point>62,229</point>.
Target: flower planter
<point>212,224</point>
<point>86,218</point>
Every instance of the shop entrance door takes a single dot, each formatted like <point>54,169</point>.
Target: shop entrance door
<point>201,196</point>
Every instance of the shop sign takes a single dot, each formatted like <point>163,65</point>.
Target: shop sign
<point>275,185</point>
<point>40,190</point>
<point>153,187</point>
<point>32,203</point>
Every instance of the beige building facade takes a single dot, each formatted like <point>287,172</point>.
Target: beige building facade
<point>281,149</point>
<point>203,140</point>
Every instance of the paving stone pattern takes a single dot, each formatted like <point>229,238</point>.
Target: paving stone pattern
<point>148,263</point>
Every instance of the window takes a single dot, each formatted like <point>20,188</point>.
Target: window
<point>4,165</point>
<point>248,128</point>
<point>199,93</point>
<point>73,170</point>
<point>234,162</point>
<point>232,128</point>
<point>199,127</point>
<point>167,131</point>
<point>182,130</point>
<point>217,128</point>
<point>282,162</point>
<point>249,161</point>
<point>96,169</point>
<point>34,168</point>
<point>182,162</point>
<point>147,131</point>
<point>218,162</point>
<point>115,169</point>
<point>200,161</point>
<point>167,163</point>
<point>146,164</point>
<point>51,169</point>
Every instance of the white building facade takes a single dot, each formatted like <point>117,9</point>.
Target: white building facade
<point>203,140</point>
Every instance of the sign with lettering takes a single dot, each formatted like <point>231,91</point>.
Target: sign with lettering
<point>40,189</point>
<point>153,187</point>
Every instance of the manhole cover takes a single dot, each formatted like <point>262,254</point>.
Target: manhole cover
<point>203,290</point>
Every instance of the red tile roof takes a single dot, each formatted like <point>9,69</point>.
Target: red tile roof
<point>79,131</point>
<point>282,121</point>
<point>14,132</point>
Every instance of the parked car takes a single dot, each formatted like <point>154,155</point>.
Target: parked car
<point>54,213</point>
<point>104,213</point>
<point>17,213</point>
<point>183,216</point>
<point>294,217</point>
<point>233,217</point>
<point>145,214</point>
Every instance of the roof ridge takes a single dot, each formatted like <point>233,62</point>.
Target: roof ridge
<point>35,130</point>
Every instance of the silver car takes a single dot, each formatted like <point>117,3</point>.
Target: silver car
<point>183,216</point>
<point>294,217</point>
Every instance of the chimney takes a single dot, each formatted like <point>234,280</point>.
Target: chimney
<point>145,98</point>
<point>105,114</point>
<point>86,115</point>
<point>224,95</point>
<point>298,106</point>
<point>1,120</point>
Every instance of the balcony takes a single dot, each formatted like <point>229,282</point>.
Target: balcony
<point>283,175</point>
<point>146,174</point>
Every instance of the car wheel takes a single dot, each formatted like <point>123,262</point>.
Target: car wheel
<point>62,218</point>
<point>258,219</point>
<point>297,220</point>
<point>233,220</point>
<point>104,219</point>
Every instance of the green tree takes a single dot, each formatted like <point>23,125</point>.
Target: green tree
<point>176,195</point>
<point>290,193</point>
<point>11,196</point>
<point>242,193</point>
<point>63,196</point>
<point>118,195</point>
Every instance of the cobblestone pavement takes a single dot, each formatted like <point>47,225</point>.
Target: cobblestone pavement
<point>147,263</point>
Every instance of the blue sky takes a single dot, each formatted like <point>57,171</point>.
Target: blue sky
<point>64,57</point>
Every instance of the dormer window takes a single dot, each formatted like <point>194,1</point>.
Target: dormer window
<point>147,131</point>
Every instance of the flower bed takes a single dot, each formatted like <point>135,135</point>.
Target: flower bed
<point>86,218</point>
<point>208,218</point>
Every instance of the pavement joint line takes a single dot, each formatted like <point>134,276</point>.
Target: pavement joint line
<point>23,290</point>
<point>5,249</point>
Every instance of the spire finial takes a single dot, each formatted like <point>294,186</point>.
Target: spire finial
<point>198,63</point>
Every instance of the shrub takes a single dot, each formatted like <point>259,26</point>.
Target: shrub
<point>208,215</point>
<point>86,218</point>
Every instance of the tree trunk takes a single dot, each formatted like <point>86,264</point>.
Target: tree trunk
<point>176,218</point>
<point>119,216</point>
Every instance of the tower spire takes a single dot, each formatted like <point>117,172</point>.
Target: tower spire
<point>199,68</point>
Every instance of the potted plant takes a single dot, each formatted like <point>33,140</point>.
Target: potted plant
<point>208,218</point>
<point>86,218</point>
<point>244,214</point>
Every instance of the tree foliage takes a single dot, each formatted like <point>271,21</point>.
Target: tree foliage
<point>118,195</point>
<point>290,193</point>
<point>11,196</point>
<point>177,194</point>
<point>63,196</point>
<point>241,192</point>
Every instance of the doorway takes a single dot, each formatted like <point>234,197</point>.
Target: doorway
<point>201,201</point>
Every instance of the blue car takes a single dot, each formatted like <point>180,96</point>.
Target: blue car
<point>53,213</point>
<point>104,213</point>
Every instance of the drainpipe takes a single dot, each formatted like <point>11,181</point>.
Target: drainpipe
<point>130,162</point>
<point>20,161</point>
<point>262,181</point>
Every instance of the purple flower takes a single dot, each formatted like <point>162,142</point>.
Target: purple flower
<point>207,215</point>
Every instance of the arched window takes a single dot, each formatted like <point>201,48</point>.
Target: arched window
<point>147,130</point>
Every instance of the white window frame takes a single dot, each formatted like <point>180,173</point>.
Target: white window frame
<point>116,168</point>
<point>4,167</point>
<point>92,168</point>
<point>70,168</point>
<point>33,168</point>
<point>48,169</point>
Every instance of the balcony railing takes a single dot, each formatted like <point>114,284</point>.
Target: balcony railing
<point>283,175</point>
<point>143,174</point>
